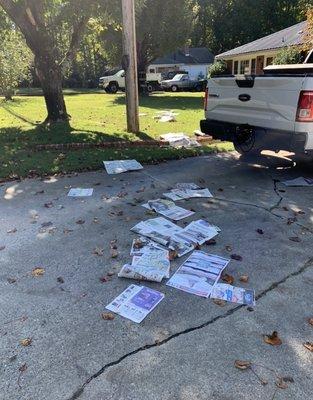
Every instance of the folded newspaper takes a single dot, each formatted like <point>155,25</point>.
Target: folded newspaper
<point>168,208</point>
<point>199,273</point>
<point>119,166</point>
<point>135,303</point>
<point>182,240</point>
<point>153,265</point>
<point>299,182</point>
<point>79,192</point>
<point>187,191</point>
<point>238,295</point>
<point>179,140</point>
<point>142,244</point>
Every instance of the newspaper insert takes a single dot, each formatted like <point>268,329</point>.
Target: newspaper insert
<point>119,166</point>
<point>168,209</point>
<point>142,244</point>
<point>238,295</point>
<point>79,192</point>
<point>199,273</point>
<point>153,265</point>
<point>135,303</point>
<point>187,191</point>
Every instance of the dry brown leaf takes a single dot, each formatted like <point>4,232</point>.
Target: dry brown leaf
<point>23,368</point>
<point>281,384</point>
<point>48,205</point>
<point>107,316</point>
<point>291,220</point>
<point>295,239</point>
<point>236,257</point>
<point>310,321</point>
<point>210,242</point>
<point>60,279</point>
<point>2,248</point>
<point>219,302</point>
<point>26,342</point>
<point>244,278</point>
<point>114,253</point>
<point>96,220</point>
<point>38,271</point>
<point>111,273</point>
<point>260,231</point>
<point>80,222</point>
<point>240,364</point>
<point>12,230</point>
<point>138,244</point>
<point>228,248</point>
<point>98,251</point>
<point>172,255</point>
<point>272,339</point>
<point>66,231</point>
<point>308,345</point>
<point>228,279</point>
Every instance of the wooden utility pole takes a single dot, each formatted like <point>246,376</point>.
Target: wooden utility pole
<point>130,65</point>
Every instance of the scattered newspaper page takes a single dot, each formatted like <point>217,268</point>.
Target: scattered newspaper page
<point>158,229</point>
<point>199,273</point>
<point>197,232</point>
<point>168,209</point>
<point>135,303</point>
<point>185,193</point>
<point>142,244</point>
<point>188,185</point>
<point>79,192</point>
<point>119,166</point>
<point>152,265</point>
<point>233,294</point>
<point>299,182</point>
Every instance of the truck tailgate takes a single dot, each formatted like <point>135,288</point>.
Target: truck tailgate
<point>270,102</point>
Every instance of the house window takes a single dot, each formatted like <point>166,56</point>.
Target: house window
<point>244,67</point>
<point>269,61</point>
<point>235,67</point>
<point>253,66</point>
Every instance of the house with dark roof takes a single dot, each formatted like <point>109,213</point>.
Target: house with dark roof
<point>194,60</point>
<point>252,57</point>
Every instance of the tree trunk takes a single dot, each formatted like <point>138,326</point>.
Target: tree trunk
<point>8,95</point>
<point>50,76</point>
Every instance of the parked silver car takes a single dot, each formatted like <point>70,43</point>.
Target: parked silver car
<point>181,82</point>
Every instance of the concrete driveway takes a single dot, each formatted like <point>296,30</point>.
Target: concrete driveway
<point>186,348</point>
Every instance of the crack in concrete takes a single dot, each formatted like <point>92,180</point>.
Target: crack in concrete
<point>80,390</point>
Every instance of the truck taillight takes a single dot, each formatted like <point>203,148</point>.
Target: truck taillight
<point>206,98</point>
<point>305,106</point>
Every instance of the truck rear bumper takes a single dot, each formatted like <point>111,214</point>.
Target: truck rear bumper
<point>265,139</point>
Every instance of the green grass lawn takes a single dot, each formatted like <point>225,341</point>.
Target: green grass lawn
<point>95,117</point>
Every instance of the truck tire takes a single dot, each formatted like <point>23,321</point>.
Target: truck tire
<point>245,141</point>
<point>174,88</point>
<point>113,87</point>
<point>150,87</point>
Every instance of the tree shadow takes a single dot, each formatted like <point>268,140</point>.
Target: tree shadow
<point>166,102</point>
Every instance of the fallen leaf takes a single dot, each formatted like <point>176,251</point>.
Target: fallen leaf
<point>26,342</point>
<point>104,279</point>
<point>285,208</point>
<point>244,278</point>
<point>11,280</point>
<point>310,321</point>
<point>308,345</point>
<point>23,368</point>
<point>228,279</point>
<point>138,244</point>
<point>272,339</point>
<point>12,230</point>
<point>113,244</point>
<point>40,192</point>
<point>141,190</point>
<point>80,222</point>
<point>219,302</point>
<point>210,242</point>
<point>300,212</point>
<point>236,257</point>
<point>260,231</point>
<point>240,364</point>
<point>66,231</point>
<point>96,220</point>
<point>111,273</point>
<point>60,279</point>
<point>48,205</point>
<point>107,316</point>
<point>114,253</point>
<point>46,224</point>
<point>220,190</point>
<point>281,384</point>
<point>295,239</point>
<point>38,271</point>
<point>228,248</point>
<point>288,379</point>
<point>98,251</point>
<point>172,255</point>
<point>2,248</point>
<point>291,220</point>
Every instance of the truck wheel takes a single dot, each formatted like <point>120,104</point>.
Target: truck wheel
<point>198,88</point>
<point>174,88</point>
<point>150,87</point>
<point>113,87</point>
<point>244,141</point>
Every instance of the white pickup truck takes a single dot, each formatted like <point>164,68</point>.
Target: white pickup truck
<point>115,82</point>
<point>273,111</point>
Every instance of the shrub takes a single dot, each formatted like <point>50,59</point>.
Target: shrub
<point>288,55</point>
<point>218,68</point>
